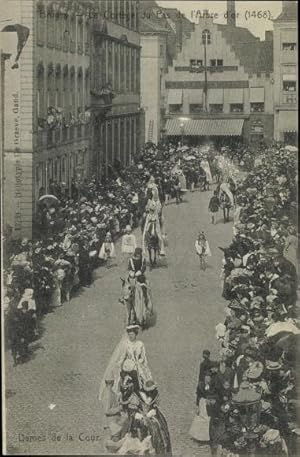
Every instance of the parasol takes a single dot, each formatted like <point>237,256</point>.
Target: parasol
<point>190,158</point>
<point>49,199</point>
<point>291,148</point>
<point>282,327</point>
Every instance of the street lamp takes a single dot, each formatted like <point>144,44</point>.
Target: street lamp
<point>181,125</point>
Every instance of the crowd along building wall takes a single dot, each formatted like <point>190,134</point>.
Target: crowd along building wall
<point>17,93</point>
<point>286,74</point>
<point>223,73</point>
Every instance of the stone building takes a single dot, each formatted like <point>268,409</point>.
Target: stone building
<point>285,74</point>
<point>72,104</point>
<point>118,122</point>
<point>221,84</point>
<point>163,32</point>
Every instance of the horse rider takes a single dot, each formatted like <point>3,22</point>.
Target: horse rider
<point>153,217</point>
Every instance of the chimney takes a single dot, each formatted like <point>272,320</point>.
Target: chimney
<point>231,18</point>
<point>269,35</point>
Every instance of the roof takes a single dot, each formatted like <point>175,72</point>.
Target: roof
<point>289,12</point>
<point>152,25</point>
<point>255,56</point>
<point>205,127</point>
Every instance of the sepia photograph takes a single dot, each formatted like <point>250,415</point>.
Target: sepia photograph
<point>150,300</point>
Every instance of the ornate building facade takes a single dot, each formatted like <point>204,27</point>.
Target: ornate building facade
<point>221,84</point>
<point>77,85</point>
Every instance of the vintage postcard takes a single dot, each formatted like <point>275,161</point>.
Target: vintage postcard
<point>150,294</point>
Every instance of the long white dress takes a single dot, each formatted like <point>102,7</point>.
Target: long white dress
<point>126,349</point>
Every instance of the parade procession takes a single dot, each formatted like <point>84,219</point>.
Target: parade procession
<point>150,291</point>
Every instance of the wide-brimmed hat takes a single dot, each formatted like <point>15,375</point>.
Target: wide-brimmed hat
<point>273,365</point>
<point>132,327</point>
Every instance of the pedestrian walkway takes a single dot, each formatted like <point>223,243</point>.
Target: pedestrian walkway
<point>55,394</point>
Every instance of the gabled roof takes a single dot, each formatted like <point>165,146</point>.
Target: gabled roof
<point>289,13</point>
<point>255,56</point>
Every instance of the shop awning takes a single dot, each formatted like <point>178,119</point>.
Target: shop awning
<point>234,95</point>
<point>194,96</point>
<point>216,96</point>
<point>175,97</point>
<point>204,127</point>
<point>257,94</point>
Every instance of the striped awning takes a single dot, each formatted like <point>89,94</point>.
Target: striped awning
<point>204,127</point>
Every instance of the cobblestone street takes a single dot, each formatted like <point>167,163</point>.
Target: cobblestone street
<point>69,360</point>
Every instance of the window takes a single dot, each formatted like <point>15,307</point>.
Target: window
<point>206,37</point>
<point>132,70</point>
<point>80,36</point>
<point>50,27</point>
<point>72,33</point>
<point>196,108</point>
<point>41,14</point>
<point>128,69</point>
<point>137,75</point>
<point>50,86</point>
<point>216,108</point>
<point>87,37</point>
<point>110,62</point>
<point>66,33</point>
<point>289,86</point>
<point>65,96</point>
<point>117,67</point>
<point>58,29</point>
<point>79,91</point>
<point>87,88</point>
<point>175,109</point>
<point>58,100</point>
<point>213,62</point>
<point>289,46</point>
<point>220,62</point>
<point>72,94</point>
<point>122,69</point>
<point>236,107</point>
<point>257,107</point>
<point>195,64</point>
<point>40,90</point>
<point>161,50</point>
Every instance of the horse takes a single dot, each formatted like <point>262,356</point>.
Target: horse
<point>138,303</point>
<point>152,242</point>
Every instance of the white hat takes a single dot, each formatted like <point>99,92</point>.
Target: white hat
<point>128,228</point>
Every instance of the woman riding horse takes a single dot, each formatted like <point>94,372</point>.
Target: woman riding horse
<point>152,236</point>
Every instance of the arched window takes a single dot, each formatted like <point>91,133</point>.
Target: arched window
<point>206,37</point>
<point>138,71</point>
<point>40,102</point>
<point>58,87</point>
<point>128,72</point>
<point>65,96</point>
<point>50,86</point>
<point>50,26</point>
<point>122,68</point>
<point>41,23</point>
<point>79,90</point>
